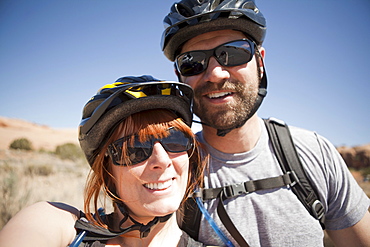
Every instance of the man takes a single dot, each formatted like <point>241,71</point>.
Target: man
<point>217,49</point>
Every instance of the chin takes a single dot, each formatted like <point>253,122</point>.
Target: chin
<point>164,208</point>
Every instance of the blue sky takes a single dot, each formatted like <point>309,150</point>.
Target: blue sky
<point>54,55</point>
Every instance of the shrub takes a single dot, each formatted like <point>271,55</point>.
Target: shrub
<point>365,172</point>
<point>69,151</point>
<point>14,196</point>
<point>39,170</point>
<point>21,143</point>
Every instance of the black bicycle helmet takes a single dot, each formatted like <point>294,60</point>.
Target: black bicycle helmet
<point>128,95</point>
<point>189,18</point>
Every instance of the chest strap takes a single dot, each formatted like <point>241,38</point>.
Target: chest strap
<point>288,179</point>
<point>233,190</point>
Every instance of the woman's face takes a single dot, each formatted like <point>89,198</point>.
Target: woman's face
<point>154,187</point>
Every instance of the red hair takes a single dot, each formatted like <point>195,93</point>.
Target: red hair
<point>144,124</point>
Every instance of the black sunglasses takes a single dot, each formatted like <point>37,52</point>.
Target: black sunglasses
<point>175,142</point>
<point>229,54</point>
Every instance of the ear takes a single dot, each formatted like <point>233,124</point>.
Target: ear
<point>261,59</point>
<point>262,51</point>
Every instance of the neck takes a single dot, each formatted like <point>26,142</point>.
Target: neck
<point>164,234</point>
<point>238,140</point>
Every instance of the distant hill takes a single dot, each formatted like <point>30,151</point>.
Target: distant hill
<point>357,157</point>
<point>41,136</point>
<point>48,138</point>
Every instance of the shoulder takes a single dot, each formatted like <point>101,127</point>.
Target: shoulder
<point>344,200</point>
<point>310,142</point>
<point>315,148</point>
<point>59,212</point>
<point>32,222</point>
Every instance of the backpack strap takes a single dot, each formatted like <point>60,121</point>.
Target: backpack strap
<point>288,179</point>
<point>293,176</point>
<point>289,160</point>
<point>94,232</point>
<point>191,219</point>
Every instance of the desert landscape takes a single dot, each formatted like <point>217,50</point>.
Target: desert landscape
<point>40,175</point>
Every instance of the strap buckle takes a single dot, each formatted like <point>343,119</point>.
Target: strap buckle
<point>318,209</point>
<point>233,190</point>
<point>293,178</point>
<point>197,193</point>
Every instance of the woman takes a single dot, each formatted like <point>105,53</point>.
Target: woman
<point>136,136</point>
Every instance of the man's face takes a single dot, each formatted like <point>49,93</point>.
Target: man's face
<point>224,96</point>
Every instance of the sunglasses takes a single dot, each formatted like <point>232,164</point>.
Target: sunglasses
<point>229,54</point>
<point>176,142</point>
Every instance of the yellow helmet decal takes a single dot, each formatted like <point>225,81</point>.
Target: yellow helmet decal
<point>166,91</point>
<point>112,85</point>
<point>136,92</point>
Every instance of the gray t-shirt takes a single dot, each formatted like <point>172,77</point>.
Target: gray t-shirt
<point>276,217</point>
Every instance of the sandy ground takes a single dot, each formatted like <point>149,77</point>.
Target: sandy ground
<point>27,177</point>
<point>41,136</point>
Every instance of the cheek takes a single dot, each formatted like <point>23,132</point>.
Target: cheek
<point>124,178</point>
<point>245,73</point>
<point>190,80</point>
<point>181,165</point>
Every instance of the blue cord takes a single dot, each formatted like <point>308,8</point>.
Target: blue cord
<point>77,241</point>
<point>213,224</point>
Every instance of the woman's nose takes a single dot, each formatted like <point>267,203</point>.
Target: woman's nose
<point>159,158</point>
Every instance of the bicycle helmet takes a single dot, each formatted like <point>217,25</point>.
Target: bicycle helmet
<point>128,95</point>
<point>189,18</point>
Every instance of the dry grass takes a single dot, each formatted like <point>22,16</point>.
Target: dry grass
<point>27,177</point>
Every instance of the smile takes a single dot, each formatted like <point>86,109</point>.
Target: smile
<point>218,95</point>
<point>159,186</point>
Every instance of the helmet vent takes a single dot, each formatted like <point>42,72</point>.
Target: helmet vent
<point>184,10</point>
<point>215,4</point>
<point>252,6</point>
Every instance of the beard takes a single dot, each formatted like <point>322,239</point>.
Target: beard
<point>232,114</point>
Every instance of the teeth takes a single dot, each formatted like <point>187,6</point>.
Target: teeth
<point>159,186</point>
<point>217,95</point>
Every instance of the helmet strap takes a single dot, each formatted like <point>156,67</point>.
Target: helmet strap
<point>262,91</point>
<point>144,229</point>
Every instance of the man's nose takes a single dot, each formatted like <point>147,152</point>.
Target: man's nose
<point>215,72</point>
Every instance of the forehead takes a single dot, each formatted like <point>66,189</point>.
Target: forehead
<point>212,39</point>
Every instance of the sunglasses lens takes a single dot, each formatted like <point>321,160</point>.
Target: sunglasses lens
<point>234,53</point>
<point>229,54</point>
<point>138,152</point>
<point>191,63</point>
<point>176,142</point>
